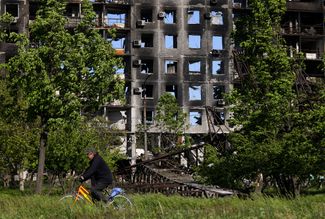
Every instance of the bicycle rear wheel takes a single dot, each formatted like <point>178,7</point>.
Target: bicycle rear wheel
<point>120,202</point>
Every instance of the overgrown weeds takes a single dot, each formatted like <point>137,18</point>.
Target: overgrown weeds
<point>15,204</point>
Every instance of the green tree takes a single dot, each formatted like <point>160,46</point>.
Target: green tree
<point>273,136</point>
<point>63,73</point>
<point>5,21</point>
<point>18,139</point>
<point>66,146</point>
<point>170,119</point>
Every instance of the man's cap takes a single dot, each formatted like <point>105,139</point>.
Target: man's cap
<point>90,150</point>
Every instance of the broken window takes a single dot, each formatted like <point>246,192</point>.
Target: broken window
<point>148,91</point>
<point>170,67</point>
<point>33,8</point>
<point>149,117</point>
<point>170,41</point>
<point>216,17</point>
<point>194,41</point>
<point>170,17</point>
<point>219,118</point>
<point>146,15</point>
<point>172,89</point>
<point>116,19</point>
<point>193,16</point>
<point>195,118</point>
<point>194,67</point>
<point>13,9</point>
<point>146,40</point>
<point>216,67</point>
<point>217,43</point>
<point>195,92</point>
<point>72,10</point>
<point>118,42</point>
<point>310,48</point>
<point>218,91</point>
<point>146,66</point>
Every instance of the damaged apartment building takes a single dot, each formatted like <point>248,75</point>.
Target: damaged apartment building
<point>182,47</point>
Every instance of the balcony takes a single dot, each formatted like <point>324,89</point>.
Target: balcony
<point>304,5</point>
<point>312,54</point>
<point>310,30</point>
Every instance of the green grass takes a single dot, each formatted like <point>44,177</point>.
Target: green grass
<point>14,204</point>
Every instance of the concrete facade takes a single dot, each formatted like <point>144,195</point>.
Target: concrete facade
<point>182,47</point>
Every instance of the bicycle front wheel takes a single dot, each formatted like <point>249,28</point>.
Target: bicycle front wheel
<point>120,202</point>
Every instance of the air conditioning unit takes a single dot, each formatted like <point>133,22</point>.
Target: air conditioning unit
<point>137,62</point>
<point>161,14</point>
<point>311,56</point>
<point>221,102</point>
<point>236,5</point>
<point>141,23</point>
<point>216,52</point>
<point>137,91</point>
<point>137,43</point>
<point>213,2</point>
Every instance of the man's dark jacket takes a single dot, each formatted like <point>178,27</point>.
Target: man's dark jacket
<point>98,171</point>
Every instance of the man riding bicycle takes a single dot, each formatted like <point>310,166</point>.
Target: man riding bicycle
<point>99,173</point>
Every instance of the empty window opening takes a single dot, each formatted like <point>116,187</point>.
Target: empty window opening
<point>13,9</point>
<point>148,91</point>
<point>194,67</point>
<point>118,42</point>
<point>194,41</point>
<point>216,67</point>
<point>195,92</point>
<point>170,67</point>
<point>149,117</point>
<point>310,48</point>
<point>33,8</point>
<point>146,66</point>
<point>146,40</point>
<point>170,17</point>
<point>116,19</point>
<point>170,41</point>
<point>217,42</point>
<point>218,91</point>
<point>195,118</point>
<point>172,89</point>
<point>219,118</point>
<point>98,19</point>
<point>193,16</point>
<point>216,17</point>
<point>146,15</point>
<point>72,10</point>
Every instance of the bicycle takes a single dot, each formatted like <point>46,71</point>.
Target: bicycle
<point>116,197</point>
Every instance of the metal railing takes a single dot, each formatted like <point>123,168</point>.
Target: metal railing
<point>303,29</point>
